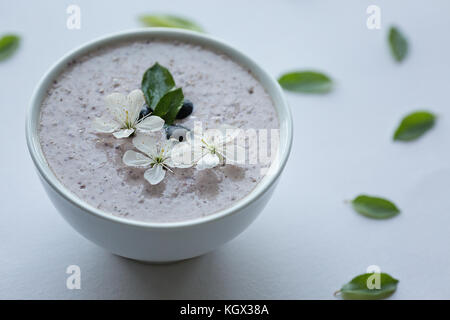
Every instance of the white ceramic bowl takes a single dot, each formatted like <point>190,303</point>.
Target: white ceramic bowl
<point>159,242</point>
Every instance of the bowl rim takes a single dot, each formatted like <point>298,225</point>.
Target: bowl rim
<point>208,41</point>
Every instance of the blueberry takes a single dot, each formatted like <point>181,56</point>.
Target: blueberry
<point>186,109</point>
<point>144,111</point>
<point>176,132</point>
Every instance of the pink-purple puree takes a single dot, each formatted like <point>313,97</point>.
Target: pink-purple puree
<point>90,164</point>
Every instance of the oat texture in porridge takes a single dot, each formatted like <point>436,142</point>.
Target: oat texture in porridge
<point>90,164</point>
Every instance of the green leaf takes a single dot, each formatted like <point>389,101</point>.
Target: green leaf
<point>398,44</point>
<point>373,207</point>
<point>158,88</point>
<point>156,82</point>
<point>169,21</point>
<point>169,105</point>
<point>306,82</point>
<point>358,287</point>
<point>414,125</point>
<point>8,45</point>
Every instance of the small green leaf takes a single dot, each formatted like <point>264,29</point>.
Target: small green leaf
<point>373,207</point>
<point>158,88</point>
<point>414,125</point>
<point>156,82</point>
<point>8,45</point>
<point>306,82</point>
<point>169,21</point>
<point>358,287</point>
<point>398,44</point>
<point>169,105</point>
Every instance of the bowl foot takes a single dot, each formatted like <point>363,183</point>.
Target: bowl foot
<point>159,263</point>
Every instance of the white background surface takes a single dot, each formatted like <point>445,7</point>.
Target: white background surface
<point>307,242</point>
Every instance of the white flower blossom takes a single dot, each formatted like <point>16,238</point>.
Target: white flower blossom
<point>125,113</point>
<point>157,155</point>
<point>210,149</point>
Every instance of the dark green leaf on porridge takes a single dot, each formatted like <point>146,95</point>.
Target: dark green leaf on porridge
<point>374,207</point>
<point>169,105</point>
<point>398,44</point>
<point>414,125</point>
<point>8,45</point>
<point>156,82</point>
<point>306,82</point>
<point>369,286</point>
<point>169,21</point>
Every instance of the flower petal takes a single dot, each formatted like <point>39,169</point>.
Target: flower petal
<point>104,125</point>
<point>181,155</point>
<point>196,141</point>
<point>190,136</point>
<point>146,144</point>
<point>152,123</point>
<point>208,161</point>
<point>155,175</point>
<point>116,103</point>
<point>123,133</point>
<point>116,100</point>
<point>135,101</point>
<point>135,159</point>
<point>168,145</point>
